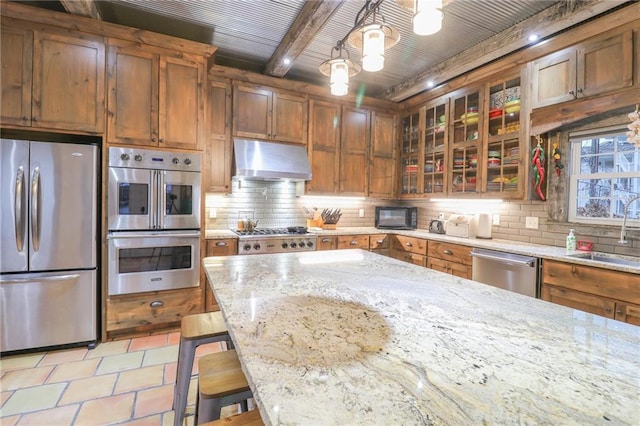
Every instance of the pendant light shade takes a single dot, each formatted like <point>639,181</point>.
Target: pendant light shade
<point>339,69</point>
<point>427,15</point>
<point>372,40</point>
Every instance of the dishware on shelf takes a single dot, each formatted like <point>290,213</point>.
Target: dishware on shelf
<point>469,118</point>
<point>512,106</point>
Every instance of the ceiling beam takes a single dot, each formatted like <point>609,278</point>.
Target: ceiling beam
<point>313,16</point>
<point>545,23</point>
<point>82,8</point>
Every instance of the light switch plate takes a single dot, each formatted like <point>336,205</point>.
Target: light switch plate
<point>361,213</point>
<point>531,222</point>
<point>496,219</point>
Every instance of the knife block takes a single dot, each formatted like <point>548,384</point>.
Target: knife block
<point>329,226</point>
<point>315,223</point>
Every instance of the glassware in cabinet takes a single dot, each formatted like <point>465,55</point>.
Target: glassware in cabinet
<point>503,165</point>
<point>504,107</point>
<point>464,169</point>
<point>434,172</point>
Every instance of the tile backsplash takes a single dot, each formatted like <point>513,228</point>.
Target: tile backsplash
<point>275,204</point>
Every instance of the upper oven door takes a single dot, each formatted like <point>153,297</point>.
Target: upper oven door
<point>179,200</point>
<point>131,197</point>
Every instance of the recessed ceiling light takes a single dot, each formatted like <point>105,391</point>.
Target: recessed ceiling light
<point>286,61</point>
<point>533,37</point>
<point>430,84</point>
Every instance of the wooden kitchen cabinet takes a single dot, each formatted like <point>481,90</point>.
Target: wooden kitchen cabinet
<point>218,247</point>
<point>353,242</point>
<point>411,149</point>
<point>52,79</point>
<point>590,68</point>
<point>612,294</point>
<point>380,243</point>
<point>271,115</point>
<point>382,155</point>
<point>144,313</point>
<point>156,97</point>
<point>218,147</point>
<point>325,242</point>
<point>324,147</point>
<point>354,144</point>
<point>466,141</point>
<point>409,249</point>
<point>451,258</point>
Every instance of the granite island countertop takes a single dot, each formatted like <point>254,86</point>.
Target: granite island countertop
<point>516,247</point>
<point>351,337</point>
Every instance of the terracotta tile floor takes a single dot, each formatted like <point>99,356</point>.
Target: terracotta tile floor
<point>126,382</point>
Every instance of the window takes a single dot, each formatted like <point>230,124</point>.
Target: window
<point>605,177</point>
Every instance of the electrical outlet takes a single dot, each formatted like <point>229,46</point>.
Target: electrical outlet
<point>496,219</point>
<point>213,213</point>
<point>531,222</point>
<point>361,213</point>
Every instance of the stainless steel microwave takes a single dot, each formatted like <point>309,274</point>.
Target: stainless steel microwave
<point>396,217</point>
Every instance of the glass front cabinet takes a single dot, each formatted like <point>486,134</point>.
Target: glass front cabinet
<point>466,144</point>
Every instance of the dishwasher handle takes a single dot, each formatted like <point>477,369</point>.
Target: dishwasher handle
<point>531,263</point>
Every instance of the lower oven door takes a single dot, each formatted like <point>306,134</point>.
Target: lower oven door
<point>152,261</point>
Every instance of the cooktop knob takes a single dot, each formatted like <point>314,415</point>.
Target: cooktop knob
<point>138,157</point>
<point>187,161</point>
<point>124,157</point>
<point>284,245</point>
<point>247,247</point>
<point>256,246</point>
<point>176,160</point>
<point>309,243</point>
<point>293,245</point>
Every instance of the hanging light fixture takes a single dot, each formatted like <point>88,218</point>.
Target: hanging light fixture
<point>373,38</point>
<point>427,15</point>
<point>339,69</point>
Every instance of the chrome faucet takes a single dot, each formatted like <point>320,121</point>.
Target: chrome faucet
<point>623,231</point>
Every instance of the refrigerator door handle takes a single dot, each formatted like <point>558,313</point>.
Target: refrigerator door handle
<point>18,211</point>
<point>35,209</point>
<point>44,279</point>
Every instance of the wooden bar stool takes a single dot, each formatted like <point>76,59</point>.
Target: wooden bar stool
<point>249,418</point>
<point>195,330</point>
<point>221,382</point>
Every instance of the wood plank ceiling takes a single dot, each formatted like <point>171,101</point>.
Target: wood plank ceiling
<point>257,35</point>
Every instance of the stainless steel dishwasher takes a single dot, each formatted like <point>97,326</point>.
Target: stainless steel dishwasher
<point>512,272</point>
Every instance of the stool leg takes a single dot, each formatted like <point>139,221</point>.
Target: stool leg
<point>186,353</point>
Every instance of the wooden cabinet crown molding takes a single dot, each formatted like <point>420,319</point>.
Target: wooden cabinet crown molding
<point>94,26</point>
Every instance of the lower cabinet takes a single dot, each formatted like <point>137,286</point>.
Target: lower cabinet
<point>409,249</point>
<point>611,294</point>
<point>222,247</point>
<point>380,243</point>
<point>353,242</point>
<point>450,258</point>
<point>327,243</point>
<point>144,313</point>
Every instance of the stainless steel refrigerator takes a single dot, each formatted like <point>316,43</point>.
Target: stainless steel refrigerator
<point>48,258</point>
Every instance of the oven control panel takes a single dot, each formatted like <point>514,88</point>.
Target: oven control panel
<point>154,159</point>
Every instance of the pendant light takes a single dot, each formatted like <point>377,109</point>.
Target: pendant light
<point>373,39</point>
<point>427,15</point>
<point>339,69</point>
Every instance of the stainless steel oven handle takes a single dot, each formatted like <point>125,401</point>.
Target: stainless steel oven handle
<point>154,235</point>
<point>530,263</point>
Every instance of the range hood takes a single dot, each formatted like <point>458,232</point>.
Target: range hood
<point>261,160</point>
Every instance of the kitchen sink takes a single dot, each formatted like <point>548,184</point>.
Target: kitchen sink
<point>609,258</point>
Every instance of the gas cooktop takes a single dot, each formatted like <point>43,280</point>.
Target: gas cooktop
<point>291,231</point>
<point>275,240</point>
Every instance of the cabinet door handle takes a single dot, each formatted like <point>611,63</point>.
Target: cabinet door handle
<point>354,243</point>
<point>618,312</point>
<point>156,304</point>
<point>380,241</point>
<point>447,252</point>
<point>221,244</point>
<point>326,240</point>
<point>408,244</point>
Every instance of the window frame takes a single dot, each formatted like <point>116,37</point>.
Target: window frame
<point>575,139</point>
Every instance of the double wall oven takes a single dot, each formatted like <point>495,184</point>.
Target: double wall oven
<point>153,220</point>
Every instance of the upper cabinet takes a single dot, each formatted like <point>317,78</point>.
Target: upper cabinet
<point>590,68</point>
<point>272,115</point>
<point>324,146</point>
<point>466,140</point>
<point>217,147</point>
<point>52,79</point>
<point>410,154</point>
<point>156,97</point>
<point>382,155</point>
<point>354,144</point>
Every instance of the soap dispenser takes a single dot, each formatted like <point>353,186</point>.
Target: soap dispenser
<point>571,241</point>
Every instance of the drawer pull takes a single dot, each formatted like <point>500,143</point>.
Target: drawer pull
<point>221,244</point>
<point>408,244</point>
<point>618,312</point>
<point>354,243</point>
<point>156,304</point>
<point>380,241</point>
<point>326,240</point>
<point>447,252</point>
<point>607,309</point>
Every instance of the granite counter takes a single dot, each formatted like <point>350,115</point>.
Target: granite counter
<point>351,337</point>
